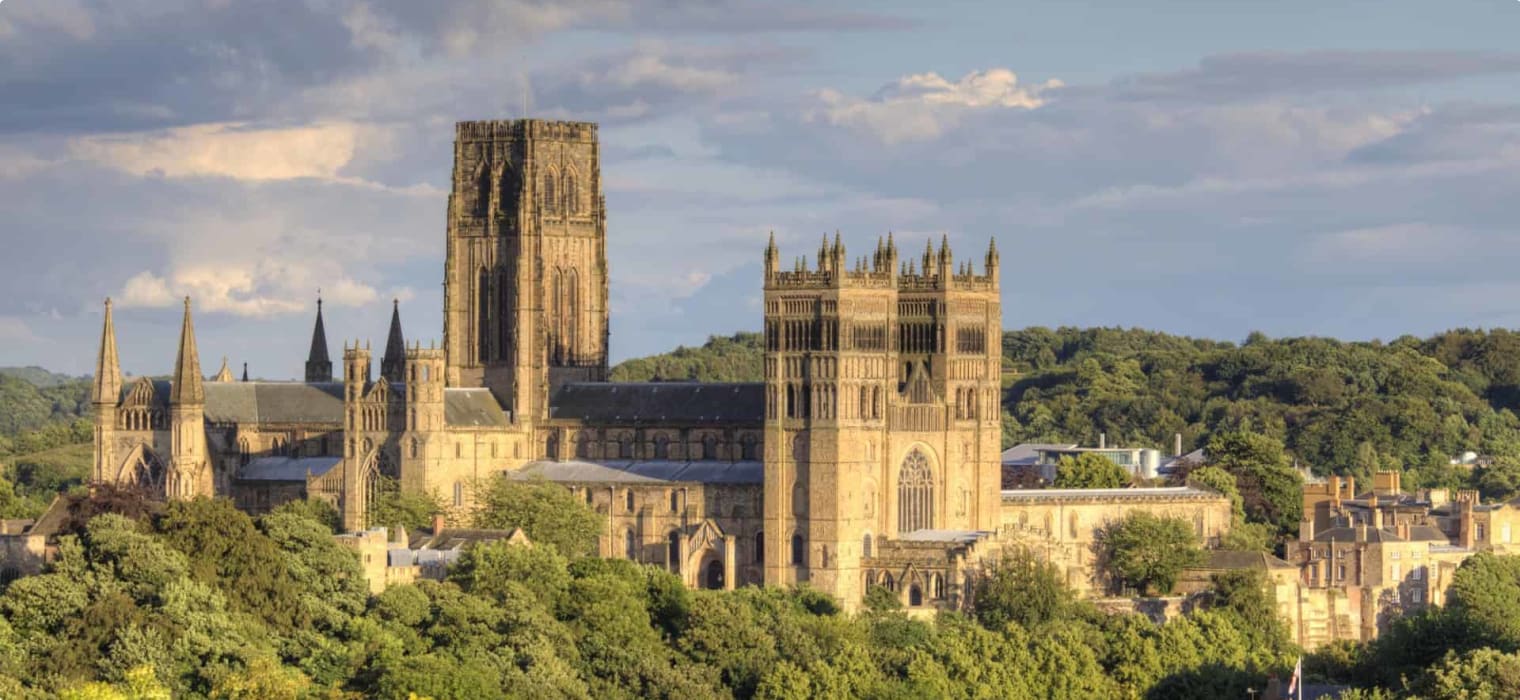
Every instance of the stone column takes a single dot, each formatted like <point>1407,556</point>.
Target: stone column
<point>730,558</point>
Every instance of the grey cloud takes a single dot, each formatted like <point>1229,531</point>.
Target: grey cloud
<point>1255,75</point>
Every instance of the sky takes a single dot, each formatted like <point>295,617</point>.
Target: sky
<point>1344,169</point>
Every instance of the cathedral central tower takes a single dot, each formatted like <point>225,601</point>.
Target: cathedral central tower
<point>525,275</point>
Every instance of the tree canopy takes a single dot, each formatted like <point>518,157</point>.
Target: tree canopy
<point>1089,470</point>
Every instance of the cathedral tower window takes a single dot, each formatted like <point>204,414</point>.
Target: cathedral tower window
<point>673,551</point>
<point>760,547</point>
<point>482,190</point>
<point>915,493</point>
<point>550,192</point>
<point>865,545</point>
<point>799,550</point>
<point>572,193</point>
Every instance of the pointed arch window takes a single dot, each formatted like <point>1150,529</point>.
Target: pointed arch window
<point>503,309</point>
<point>915,493</point>
<point>482,190</point>
<point>483,315</point>
<point>630,545</point>
<point>865,546</point>
<point>673,551</point>
<point>550,192</point>
<point>760,547</point>
<point>572,193</point>
<point>799,550</point>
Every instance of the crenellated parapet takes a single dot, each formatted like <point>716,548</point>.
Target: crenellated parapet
<point>933,271</point>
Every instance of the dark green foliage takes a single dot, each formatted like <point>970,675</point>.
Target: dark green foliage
<point>1148,552</point>
<point>1022,590</point>
<point>1090,471</point>
<point>1339,407</point>
<point>547,512</point>
<point>736,358</point>
<point>1270,490</point>
<point>411,510</point>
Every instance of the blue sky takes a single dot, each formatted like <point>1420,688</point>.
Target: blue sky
<point>1206,168</point>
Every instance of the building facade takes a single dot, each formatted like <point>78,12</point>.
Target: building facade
<point>869,453</point>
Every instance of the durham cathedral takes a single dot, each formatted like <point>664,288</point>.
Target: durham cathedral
<point>868,455</point>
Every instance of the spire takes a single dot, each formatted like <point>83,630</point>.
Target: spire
<point>944,246</point>
<point>393,363</point>
<point>772,258</point>
<point>223,375</point>
<point>107,365</point>
<point>318,364</point>
<point>187,387</point>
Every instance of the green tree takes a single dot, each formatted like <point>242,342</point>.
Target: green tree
<point>1019,589</point>
<point>1269,487</point>
<point>1481,674</point>
<point>547,512</point>
<point>1089,470</point>
<point>1485,596</point>
<point>1149,551</point>
<point>396,508</point>
<point>1499,480</point>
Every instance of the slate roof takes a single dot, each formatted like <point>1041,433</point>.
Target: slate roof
<point>1171,492</point>
<point>648,472</point>
<point>286,468</point>
<point>1348,534</point>
<point>1224,559</point>
<point>1029,452</point>
<point>951,536</point>
<point>472,408</point>
<point>273,402</point>
<point>659,402</point>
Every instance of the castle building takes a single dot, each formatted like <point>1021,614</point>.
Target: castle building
<point>870,452</point>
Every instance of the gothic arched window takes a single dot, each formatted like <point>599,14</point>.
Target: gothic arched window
<point>550,192</point>
<point>630,545</point>
<point>799,550</point>
<point>760,547</point>
<point>915,493</point>
<point>673,551</point>
<point>572,193</point>
<point>482,189</point>
<point>865,546</point>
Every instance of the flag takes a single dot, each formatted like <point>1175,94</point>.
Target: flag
<point>1295,683</point>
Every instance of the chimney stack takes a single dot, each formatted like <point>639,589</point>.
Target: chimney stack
<point>1177,445</point>
<point>438,523</point>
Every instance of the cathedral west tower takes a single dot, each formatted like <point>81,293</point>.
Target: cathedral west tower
<point>525,280</point>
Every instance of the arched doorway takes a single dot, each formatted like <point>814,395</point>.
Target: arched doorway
<point>712,578</point>
<point>915,596</point>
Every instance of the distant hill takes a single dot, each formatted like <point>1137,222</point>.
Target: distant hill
<point>1348,407</point>
<point>736,358</point>
<point>40,377</point>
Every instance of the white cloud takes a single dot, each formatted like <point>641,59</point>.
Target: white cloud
<point>229,150</point>
<point>923,106</point>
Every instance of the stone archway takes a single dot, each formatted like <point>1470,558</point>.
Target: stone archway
<point>713,578</point>
<point>142,469</point>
